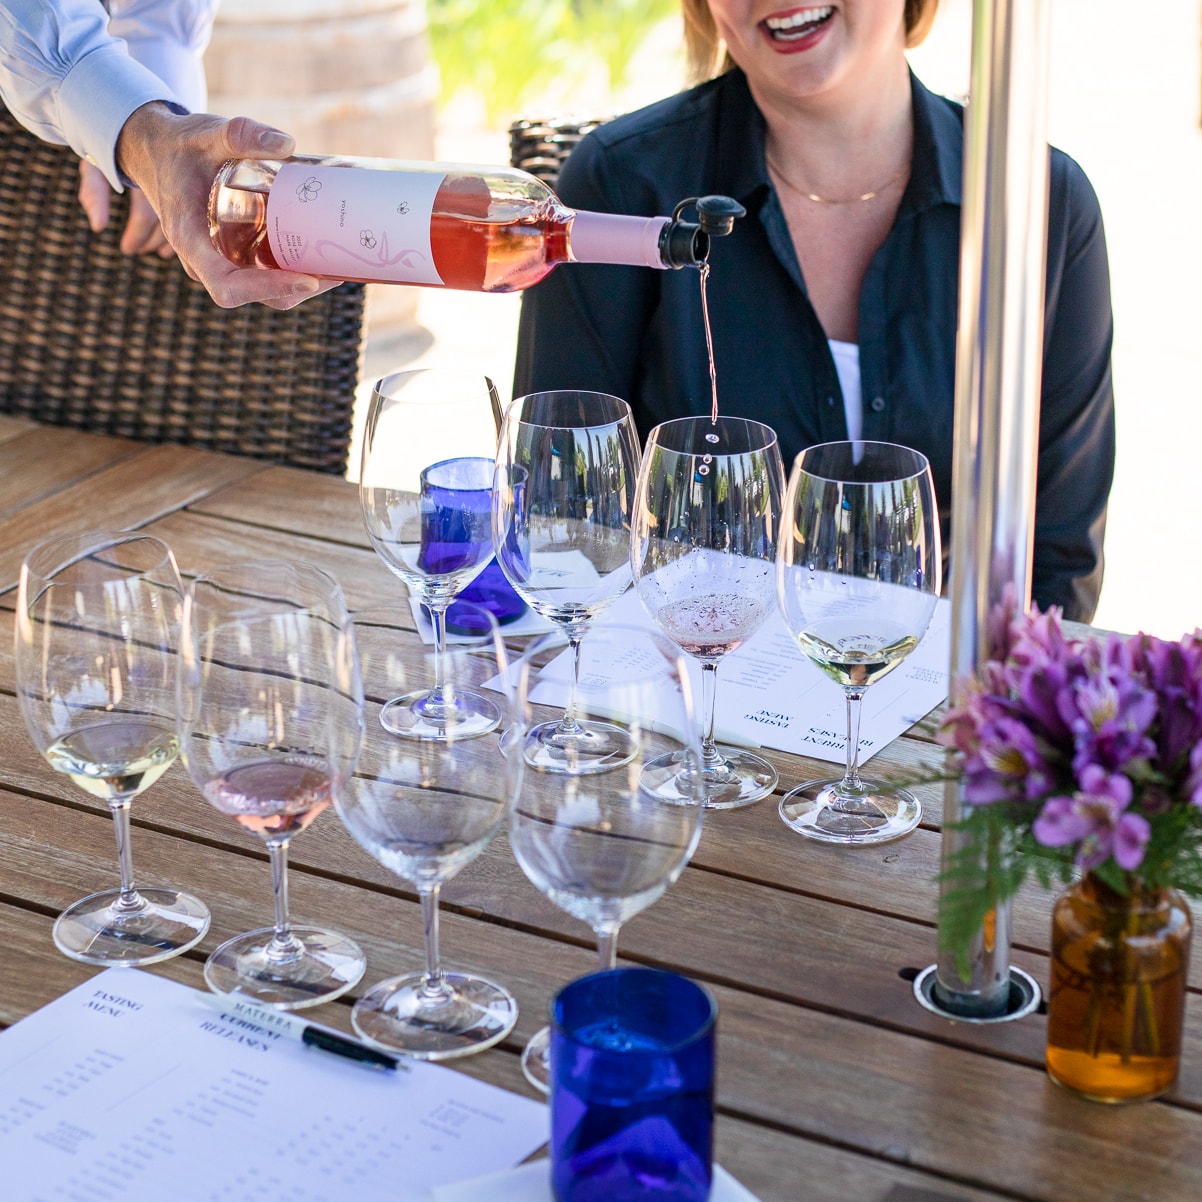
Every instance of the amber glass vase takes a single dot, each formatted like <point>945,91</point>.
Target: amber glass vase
<point>1117,1002</point>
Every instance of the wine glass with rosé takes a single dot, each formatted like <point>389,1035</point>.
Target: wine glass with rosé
<point>269,719</point>
<point>858,577</point>
<point>97,634</point>
<point>703,551</point>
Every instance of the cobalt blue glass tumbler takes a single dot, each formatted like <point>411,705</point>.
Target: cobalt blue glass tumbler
<point>632,1088</point>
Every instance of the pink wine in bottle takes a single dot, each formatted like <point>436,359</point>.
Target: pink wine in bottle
<point>483,229</point>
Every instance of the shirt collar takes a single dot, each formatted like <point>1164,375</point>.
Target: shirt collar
<point>937,164</point>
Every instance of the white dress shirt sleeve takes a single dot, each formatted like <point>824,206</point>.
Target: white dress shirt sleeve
<point>68,79</point>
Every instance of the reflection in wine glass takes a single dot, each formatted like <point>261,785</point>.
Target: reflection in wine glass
<point>562,503</point>
<point>598,844</point>
<point>269,716</point>
<point>425,488</point>
<point>425,808</point>
<point>703,552</point>
<point>858,579</point>
<point>96,645</point>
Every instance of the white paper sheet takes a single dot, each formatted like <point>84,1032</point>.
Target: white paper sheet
<point>130,1089</point>
<point>532,1183</point>
<point>770,695</point>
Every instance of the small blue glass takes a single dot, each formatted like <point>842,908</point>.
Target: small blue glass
<point>456,529</point>
<point>632,1088</point>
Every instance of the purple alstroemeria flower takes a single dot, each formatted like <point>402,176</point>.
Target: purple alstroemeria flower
<point>1174,673</point>
<point>1109,716</point>
<point>1096,820</point>
<point>1006,765</point>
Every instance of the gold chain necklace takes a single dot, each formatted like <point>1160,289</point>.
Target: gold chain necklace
<point>825,200</point>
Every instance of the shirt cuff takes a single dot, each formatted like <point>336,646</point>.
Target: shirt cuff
<point>95,100</point>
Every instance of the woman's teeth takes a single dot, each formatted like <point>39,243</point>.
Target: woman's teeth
<point>798,24</point>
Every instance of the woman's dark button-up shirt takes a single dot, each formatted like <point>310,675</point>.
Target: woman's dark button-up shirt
<point>638,333</point>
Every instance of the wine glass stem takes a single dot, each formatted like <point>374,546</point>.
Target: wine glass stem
<point>283,945</point>
<point>434,985</point>
<point>851,778</point>
<point>438,620</point>
<point>710,756</point>
<point>568,723</point>
<point>130,900</point>
<point>607,948</point>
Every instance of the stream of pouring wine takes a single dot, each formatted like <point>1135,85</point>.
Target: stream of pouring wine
<point>709,343</point>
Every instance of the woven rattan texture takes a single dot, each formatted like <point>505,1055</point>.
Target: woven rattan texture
<point>100,341</point>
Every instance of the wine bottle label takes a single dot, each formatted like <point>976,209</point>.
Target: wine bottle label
<point>354,223</point>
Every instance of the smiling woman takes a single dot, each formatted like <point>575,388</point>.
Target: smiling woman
<point>850,171</point>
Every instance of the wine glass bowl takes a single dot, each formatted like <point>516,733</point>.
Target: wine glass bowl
<point>703,553</point>
<point>599,845</point>
<point>858,581</point>
<point>96,644</point>
<point>269,717</point>
<point>562,501</point>
<point>425,489</point>
<point>425,809</point>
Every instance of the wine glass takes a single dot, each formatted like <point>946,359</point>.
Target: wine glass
<point>425,808</point>
<point>562,504</point>
<point>425,488</point>
<point>96,644</point>
<point>269,717</point>
<point>858,577</point>
<point>703,554</point>
<point>599,844</point>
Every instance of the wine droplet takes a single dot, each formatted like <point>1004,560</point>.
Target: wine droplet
<point>711,438</point>
<point>703,470</point>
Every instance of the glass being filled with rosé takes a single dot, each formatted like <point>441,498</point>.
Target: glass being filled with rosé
<point>703,549</point>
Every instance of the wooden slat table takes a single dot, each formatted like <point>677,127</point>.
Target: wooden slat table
<point>834,1084</point>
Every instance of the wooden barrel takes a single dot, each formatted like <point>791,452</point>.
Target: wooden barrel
<point>341,76</point>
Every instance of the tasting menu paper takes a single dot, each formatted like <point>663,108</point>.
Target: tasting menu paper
<point>770,695</point>
<point>532,1183</point>
<point>131,1088</point>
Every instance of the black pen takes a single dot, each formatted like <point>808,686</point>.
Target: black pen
<point>326,1039</point>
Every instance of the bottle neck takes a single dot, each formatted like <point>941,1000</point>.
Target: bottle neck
<point>615,238</point>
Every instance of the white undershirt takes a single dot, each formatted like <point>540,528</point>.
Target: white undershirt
<point>847,364</point>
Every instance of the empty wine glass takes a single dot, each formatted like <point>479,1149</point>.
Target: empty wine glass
<point>858,578</point>
<point>562,505</point>
<point>96,645</point>
<point>269,717</point>
<point>425,808</point>
<point>703,552</point>
<point>426,489</point>
<point>599,844</point>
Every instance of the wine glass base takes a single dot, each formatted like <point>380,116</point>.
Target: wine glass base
<point>580,750</point>
<point>324,967</point>
<point>536,1060</point>
<point>94,931</point>
<point>876,814</point>
<point>415,717</point>
<point>399,1016</point>
<point>742,779</point>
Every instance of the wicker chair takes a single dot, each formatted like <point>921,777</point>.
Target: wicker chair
<point>100,341</point>
<point>541,145</point>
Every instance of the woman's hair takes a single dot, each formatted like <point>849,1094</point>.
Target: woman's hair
<point>707,54</point>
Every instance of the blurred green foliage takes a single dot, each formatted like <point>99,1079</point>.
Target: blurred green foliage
<point>509,51</point>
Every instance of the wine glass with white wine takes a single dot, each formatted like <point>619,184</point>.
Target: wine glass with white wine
<point>96,646</point>
<point>858,578</point>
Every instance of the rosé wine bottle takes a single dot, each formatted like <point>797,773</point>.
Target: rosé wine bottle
<point>482,229</point>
